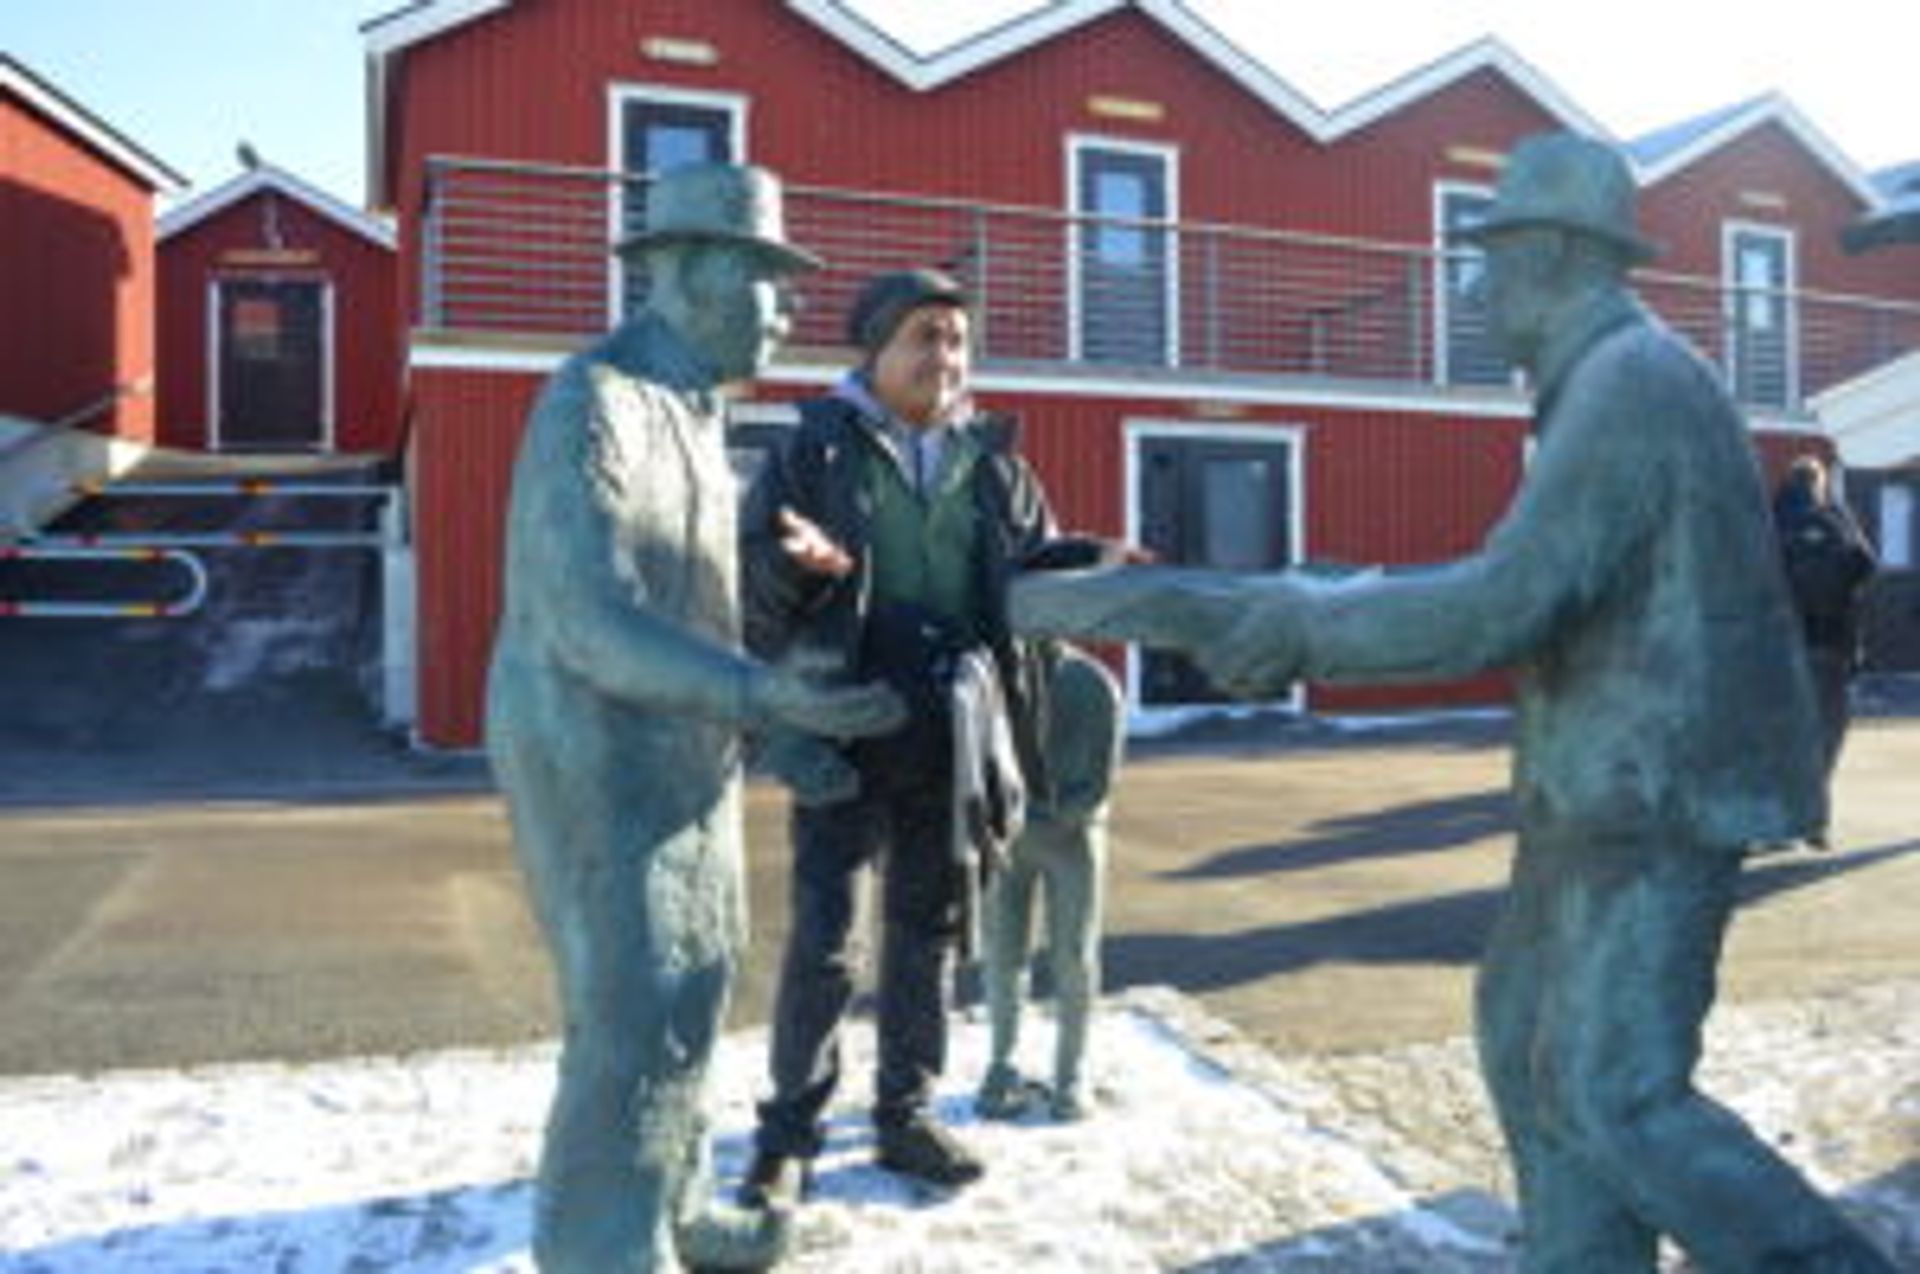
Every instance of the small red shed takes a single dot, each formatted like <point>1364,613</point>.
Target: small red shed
<point>76,262</point>
<point>278,322</point>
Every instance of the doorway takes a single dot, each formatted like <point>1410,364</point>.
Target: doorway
<point>1226,497</point>
<point>272,365</point>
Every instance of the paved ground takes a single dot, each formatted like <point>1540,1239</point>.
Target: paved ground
<point>1323,895</point>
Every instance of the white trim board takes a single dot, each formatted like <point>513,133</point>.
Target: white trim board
<point>376,230</point>
<point>26,84</point>
<point>390,36</point>
<point>1501,404</point>
<point>1774,108</point>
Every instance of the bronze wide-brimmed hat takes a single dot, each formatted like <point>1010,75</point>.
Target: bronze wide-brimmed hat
<point>718,203</point>
<point>1569,182</point>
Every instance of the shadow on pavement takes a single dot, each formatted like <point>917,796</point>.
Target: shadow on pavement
<point>1450,929</point>
<point>1421,827</point>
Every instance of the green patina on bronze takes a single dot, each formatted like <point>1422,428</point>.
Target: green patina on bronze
<point>616,696</point>
<point>1666,727</point>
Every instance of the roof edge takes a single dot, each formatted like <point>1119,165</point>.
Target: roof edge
<point>1488,53</point>
<point>117,147</point>
<point>1775,108</point>
<point>264,178</point>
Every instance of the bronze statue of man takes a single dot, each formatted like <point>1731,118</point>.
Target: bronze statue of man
<point>1665,728</point>
<point>616,697</point>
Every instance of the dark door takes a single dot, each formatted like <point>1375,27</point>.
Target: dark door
<point>272,361</point>
<point>1125,267</point>
<point>1210,502</point>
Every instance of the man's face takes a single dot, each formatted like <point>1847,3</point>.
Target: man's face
<point>920,374</point>
<point>1521,289</point>
<point>736,308</point>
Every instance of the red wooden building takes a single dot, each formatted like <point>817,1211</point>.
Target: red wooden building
<point>279,326</point>
<point>76,262</point>
<point>1222,311</point>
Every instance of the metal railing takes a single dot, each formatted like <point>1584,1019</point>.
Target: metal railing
<point>522,249</point>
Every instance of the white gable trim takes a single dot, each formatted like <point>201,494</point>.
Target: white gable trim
<point>429,18</point>
<point>81,123</point>
<point>1773,108</point>
<point>423,20</point>
<point>267,178</point>
<point>923,74</point>
<point>1487,53</point>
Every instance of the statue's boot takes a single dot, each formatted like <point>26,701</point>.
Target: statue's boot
<point>1006,1094</point>
<point>730,1240</point>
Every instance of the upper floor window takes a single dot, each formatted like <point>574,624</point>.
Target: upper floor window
<point>1899,533</point>
<point>1761,342</point>
<point>1124,260</point>
<point>1463,349</point>
<point>658,129</point>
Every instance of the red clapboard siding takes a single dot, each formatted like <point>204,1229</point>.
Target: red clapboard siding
<point>366,328</point>
<point>76,277</point>
<point>997,135</point>
<point>467,428</point>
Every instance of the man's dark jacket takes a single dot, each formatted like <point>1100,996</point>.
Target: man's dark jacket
<point>818,472</point>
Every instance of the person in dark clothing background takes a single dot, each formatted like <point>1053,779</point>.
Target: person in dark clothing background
<point>879,538</point>
<point>1829,563</point>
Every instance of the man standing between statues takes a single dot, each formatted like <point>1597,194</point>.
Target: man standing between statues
<point>883,534</point>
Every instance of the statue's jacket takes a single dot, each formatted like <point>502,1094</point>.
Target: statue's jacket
<point>1635,588</point>
<point>616,684</point>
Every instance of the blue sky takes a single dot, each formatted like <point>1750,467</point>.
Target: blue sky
<point>188,79</point>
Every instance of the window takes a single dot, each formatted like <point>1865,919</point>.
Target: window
<point>1761,359</point>
<point>1124,271</point>
<point>1463,349</point>
<point>656,130</point>
<point>1897,538</point>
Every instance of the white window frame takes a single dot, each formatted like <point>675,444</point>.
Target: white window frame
<point>1788,237</point>
<point>215,282</point>
<point>1138,431</point>
<point>619,95</point>
<point>1168,154</point>
<point>1443,252</point>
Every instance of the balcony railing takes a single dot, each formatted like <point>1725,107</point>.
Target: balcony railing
<point>522,250</point>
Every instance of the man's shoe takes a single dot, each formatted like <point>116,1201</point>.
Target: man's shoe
<point>775,1180</point>
<point>924,1150</point>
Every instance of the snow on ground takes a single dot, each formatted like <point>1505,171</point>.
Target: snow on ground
<point>1204,1154</point>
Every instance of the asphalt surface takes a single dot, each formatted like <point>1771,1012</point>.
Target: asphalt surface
<point>254,885</point>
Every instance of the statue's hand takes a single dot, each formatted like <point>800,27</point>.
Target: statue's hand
<point>790,694</point>
<point>811,768</point>
<point>1262,651</point>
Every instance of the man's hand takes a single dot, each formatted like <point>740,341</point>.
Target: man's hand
<point>812,549</point>
<point>1264,650</point>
